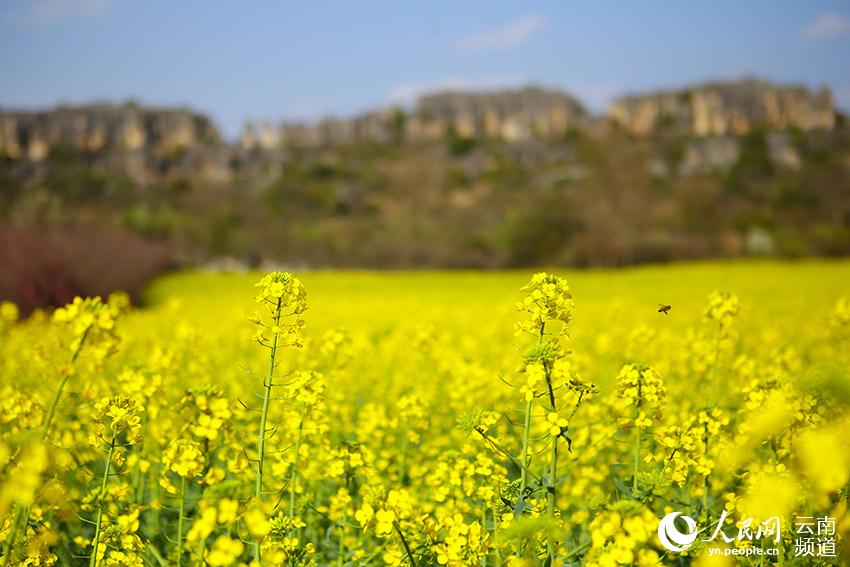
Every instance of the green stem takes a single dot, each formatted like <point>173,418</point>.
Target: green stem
<point>499,449</point>
<point>526,431</point>
<point>341,547</point>
<point>293,475</point>
<point>153,521</point>
<point>201,547</point>
<point>577,550</point>
<point>13,532</point>
<point>156,555</point>
<point>524,457</point>
<point>52,411</point>
<point>180,521</point>
<point>706,481</point>
<point>261,435</point>
<point>404,544</point>
<point>637,438</point>
<point>484,527</point>
<point>496,534</point>
<point>100,496</point>
<point>553,475</point>
<point>139,477</point>
<point>637,460</point>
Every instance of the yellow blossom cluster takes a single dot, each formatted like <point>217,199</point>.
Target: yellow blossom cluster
<point>284,298</point>
<point>722,308</point>
<point>117,417</point>
<point>547,299</point>
<point>640,387</point>
<point>91,320</point>
<point>413,426</point>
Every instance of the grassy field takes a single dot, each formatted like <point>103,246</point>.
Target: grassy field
<point>415,426</point>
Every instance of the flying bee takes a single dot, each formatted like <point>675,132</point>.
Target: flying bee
<point>664,308</point>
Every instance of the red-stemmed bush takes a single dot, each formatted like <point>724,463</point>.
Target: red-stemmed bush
<point>48,268</point>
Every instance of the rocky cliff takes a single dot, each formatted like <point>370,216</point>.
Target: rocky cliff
<point>509,115</point>
<point>725,108</point>
<point>142,143</point>
<point>148,144</point>
<point>96,128</point>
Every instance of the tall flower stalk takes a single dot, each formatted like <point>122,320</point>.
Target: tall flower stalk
<point>93,559</point>
<point>548,307</point>
<point>118,419</point>
<point>91,321</point>
<point>642,389</point>
<point>284,299</point>
<point>526,434</point>
<point>722,309</point>
<point>293,475</point>
<point>185,458</point>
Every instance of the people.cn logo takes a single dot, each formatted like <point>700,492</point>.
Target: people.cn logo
<point>670,536</point>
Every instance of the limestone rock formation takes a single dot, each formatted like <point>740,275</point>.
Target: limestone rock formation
<point>150,144</point>
<point>265,137</point>
<point>144,144</point>
<point>97,128</point>
<point>380,126</point>
<point>510,115</point>
<point>725,108</point>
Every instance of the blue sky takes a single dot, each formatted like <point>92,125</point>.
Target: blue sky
<point>270,60</point>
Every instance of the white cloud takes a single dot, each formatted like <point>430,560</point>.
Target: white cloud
<point>509,36</point>
<point>406,93</point>
<point>826,26</point>
<point>45,13</point>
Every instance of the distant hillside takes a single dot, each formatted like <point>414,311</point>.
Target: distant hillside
<point>505,178</point>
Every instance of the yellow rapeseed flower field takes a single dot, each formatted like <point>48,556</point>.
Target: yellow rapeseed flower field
<point>457,418</point>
